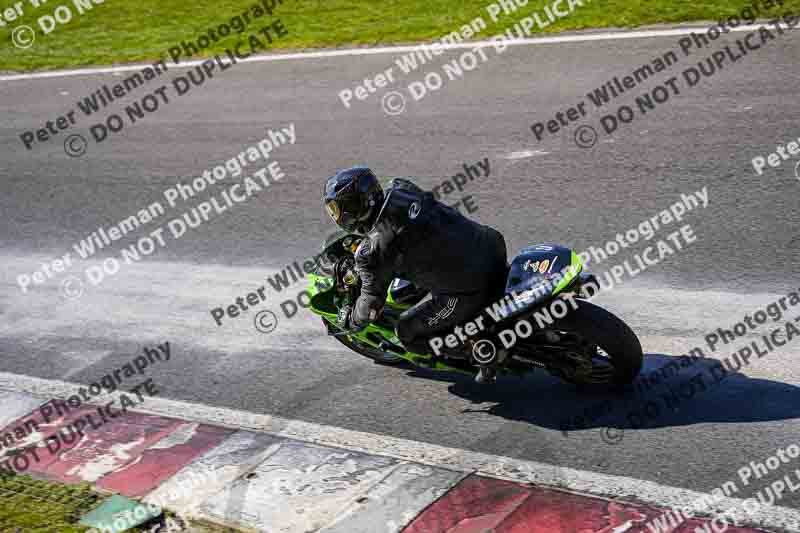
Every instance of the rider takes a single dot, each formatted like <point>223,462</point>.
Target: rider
<point>413,236</point>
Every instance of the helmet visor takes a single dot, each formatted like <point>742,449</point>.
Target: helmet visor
<point>344,218</point>
<point>333,210</point>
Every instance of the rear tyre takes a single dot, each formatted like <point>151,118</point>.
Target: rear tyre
<point>361,348</point>
<point>619,348</point>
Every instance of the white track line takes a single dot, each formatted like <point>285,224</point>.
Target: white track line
<point>517,470</point>
<point>579,38</point>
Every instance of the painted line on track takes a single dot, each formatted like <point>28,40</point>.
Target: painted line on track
<point>518,470</point>
<point>579,38</point>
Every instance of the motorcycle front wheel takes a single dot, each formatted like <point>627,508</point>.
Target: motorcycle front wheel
<point>362,348</point>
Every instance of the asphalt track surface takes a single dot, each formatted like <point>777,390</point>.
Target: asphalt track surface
<point>746,254</point>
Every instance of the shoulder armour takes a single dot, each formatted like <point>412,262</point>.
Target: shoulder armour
<point>406,204</point>
<point>405,184</point>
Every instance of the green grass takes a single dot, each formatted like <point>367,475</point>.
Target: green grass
<point>31,505</point>
<point>117,31</point>
<point>41,507</point>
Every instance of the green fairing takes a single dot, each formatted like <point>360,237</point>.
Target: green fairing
<point>319,286</point>
<point>571,271</point>
<point>422,360</point>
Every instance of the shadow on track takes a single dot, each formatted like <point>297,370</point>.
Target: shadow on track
<point>700,391</point>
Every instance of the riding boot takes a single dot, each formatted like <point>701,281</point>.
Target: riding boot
<point>487,373</point>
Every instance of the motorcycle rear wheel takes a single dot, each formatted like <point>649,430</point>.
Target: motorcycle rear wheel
<point>615,350</point>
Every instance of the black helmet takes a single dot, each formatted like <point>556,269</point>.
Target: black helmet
<point>353,198</point>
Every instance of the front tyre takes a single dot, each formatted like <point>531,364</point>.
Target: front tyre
<point>619,358</point>
<point>379,356</point>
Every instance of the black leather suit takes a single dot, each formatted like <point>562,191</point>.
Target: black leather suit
<point>462,263</point>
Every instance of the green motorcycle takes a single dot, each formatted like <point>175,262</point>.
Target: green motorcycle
<point>541,320</point>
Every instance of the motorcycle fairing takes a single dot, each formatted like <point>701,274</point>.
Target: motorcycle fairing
<point>539,273</point>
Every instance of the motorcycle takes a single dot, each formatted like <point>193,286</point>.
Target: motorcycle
<point>586,345</point>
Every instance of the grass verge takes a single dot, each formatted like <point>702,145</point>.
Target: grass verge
<point>118,31</point>
<point>29,505</point>
<point>36,506</point>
